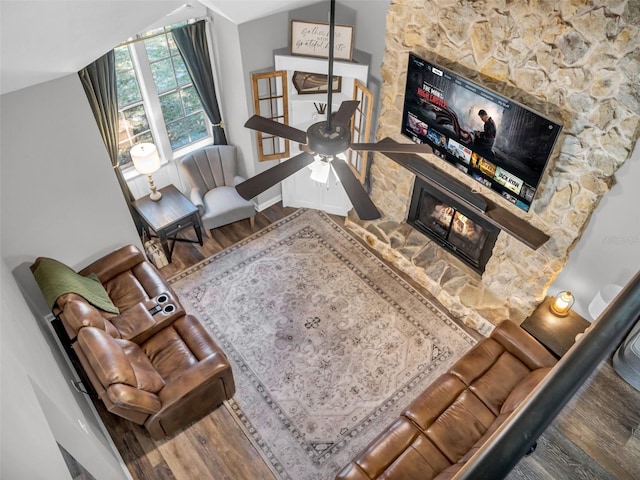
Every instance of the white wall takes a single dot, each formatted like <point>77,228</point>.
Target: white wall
<point>23,426</point>
<point>609,250</point>
<point>234,104</point>
<point>59,198</point>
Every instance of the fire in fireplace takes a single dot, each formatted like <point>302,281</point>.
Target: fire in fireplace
<point>452,225</point>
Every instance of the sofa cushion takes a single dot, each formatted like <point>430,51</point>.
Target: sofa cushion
<point>523,389</point>
<point>438,396</point>
<point>495,385</point>
<point>169,354</point>
<point>403,450</point>
<point>460,426</point>
<point>226,206</point>
<point>421,459</point>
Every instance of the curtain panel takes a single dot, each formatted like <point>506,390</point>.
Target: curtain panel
<point>191,41</point>
<point>99,83</point>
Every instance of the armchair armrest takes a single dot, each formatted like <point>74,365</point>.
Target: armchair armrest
<point>237,180</point>
<point>116,262</point>
<point>196,199</point>
<point>131,398</point>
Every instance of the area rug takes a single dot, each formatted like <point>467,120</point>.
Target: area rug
<point>327,343</point>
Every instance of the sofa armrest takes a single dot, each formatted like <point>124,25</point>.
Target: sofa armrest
<point>118,261</point>
<point>196,199</point>
<point>77,313</point>
<point>353,472</point>
<point>523,346</point>
<point>131,398</point>
<point>211,369</point>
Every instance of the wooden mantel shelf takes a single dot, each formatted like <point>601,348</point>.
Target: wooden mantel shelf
<point>481,205</point>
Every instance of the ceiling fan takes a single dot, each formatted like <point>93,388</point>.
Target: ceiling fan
<point>324,142</point>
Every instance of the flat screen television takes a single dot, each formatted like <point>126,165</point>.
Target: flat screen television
<point>500,143</point>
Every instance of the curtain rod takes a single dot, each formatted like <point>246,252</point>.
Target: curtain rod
<point>147,37</point>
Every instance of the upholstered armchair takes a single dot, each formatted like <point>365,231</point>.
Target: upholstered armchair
<point>212,174</point>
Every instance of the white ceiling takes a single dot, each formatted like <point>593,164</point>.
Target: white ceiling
<point>47,39</point>
<point>241,11</point>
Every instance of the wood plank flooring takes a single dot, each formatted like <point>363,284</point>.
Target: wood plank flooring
<point>596,436</point>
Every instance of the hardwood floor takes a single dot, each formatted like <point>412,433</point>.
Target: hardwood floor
<point>596,436</point>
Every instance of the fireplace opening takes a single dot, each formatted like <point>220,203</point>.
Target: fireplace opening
<point>452,225</point>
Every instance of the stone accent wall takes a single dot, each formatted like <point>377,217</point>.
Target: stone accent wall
<point>576,61</point>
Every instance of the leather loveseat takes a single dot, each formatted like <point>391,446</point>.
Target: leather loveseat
<point>442,428</point>
<point>147,360</point>
<point>134,285</point>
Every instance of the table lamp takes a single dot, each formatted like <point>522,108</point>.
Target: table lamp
<point>147,161</point>
<point>562,304</point>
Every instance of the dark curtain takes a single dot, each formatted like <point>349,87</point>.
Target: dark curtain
<point>191,41</point>
<point>99,82</point>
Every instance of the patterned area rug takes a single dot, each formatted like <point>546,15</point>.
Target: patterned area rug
<point>327,343</point>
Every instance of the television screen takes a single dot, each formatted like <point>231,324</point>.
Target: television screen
<point>501,144</point>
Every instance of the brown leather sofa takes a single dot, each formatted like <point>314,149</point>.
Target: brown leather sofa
<point>442,428</point>
<point>151,363</point>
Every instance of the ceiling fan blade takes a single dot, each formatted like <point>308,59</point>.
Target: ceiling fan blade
<point>360,200</point>
<point>346,111</point>
<point>393,147</point>
<point>259,183</point>
<point>266,125</point>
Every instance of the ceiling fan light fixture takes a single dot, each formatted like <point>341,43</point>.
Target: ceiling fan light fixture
<point>328,142</point>
<point>320,170</point>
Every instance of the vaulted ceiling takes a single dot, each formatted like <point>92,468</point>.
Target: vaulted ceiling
<point>47,39</point>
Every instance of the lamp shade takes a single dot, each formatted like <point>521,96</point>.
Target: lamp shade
<point>145,158</point>
<point>602,299</point>
<point>320,170</point>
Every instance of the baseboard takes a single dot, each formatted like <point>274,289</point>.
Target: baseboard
<point>272,201</point>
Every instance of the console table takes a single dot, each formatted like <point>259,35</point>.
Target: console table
<point>556,333</point>
<point>169,216</point>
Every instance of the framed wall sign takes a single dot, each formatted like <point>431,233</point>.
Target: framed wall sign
<point>312,40</point>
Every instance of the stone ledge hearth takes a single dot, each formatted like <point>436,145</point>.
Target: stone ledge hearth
<point>456,286</point>
<point>577,62</point>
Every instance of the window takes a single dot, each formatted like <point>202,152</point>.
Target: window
<point>156,98</point>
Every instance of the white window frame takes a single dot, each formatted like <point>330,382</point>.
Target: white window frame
<point>151,101</point>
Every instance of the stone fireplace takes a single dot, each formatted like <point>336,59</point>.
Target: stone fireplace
<point>453,226</point>
<point>574,61</point>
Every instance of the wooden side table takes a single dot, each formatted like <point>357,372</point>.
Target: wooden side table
<point>556,333</point>
<point>169,216</point>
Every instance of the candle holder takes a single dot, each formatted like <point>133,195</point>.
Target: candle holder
<point>562,304</point>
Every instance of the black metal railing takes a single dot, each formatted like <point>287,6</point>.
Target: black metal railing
<point>504,449</point>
